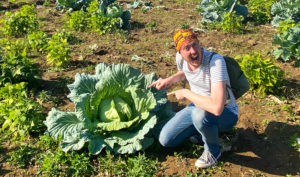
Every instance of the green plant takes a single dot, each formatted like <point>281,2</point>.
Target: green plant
<point>19,115</point>
<point>289,43</point>
<point>37,41</point>
<point>285,9</point>
<point>58,51</point>
<point>263,75</point>
<point>232,23</point>
<point>21,22</point>
<point>43,97</point>
<point>47,142</point>
<point>135,165</point>
<point>151,25</point>
<point>285,25</point>
<point>78,20</point>
<point>185,25</point>
<point>15,65</point>
<point>71,5</point>
<point>261,10</point>
<point>22,156</point>
<point>114,109</point>
<point>294,141</point>
<point>213,10</point>
<point>58,163</point>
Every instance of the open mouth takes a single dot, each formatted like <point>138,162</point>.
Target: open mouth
<point>194,57</point>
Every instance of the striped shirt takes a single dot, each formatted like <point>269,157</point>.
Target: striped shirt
<point>208,72</point>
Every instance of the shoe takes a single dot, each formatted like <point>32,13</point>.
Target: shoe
<point>196,139</point>
<point>206,160</point>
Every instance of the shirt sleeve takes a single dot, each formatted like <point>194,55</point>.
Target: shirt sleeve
<point>179,61</point>
<point>218,70</point>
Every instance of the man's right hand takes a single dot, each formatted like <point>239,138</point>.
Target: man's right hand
<point>161,84</point>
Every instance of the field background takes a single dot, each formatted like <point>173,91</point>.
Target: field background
<point>261,146</point>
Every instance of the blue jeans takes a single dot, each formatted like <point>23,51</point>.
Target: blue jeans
<point>192,120</point>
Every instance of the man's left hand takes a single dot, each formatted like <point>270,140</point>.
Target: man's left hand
<point>179,94</point>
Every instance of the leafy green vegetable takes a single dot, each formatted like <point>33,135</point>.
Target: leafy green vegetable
<point>261,10</point>
<point>71,5</point>
<point>114,109</point>
<point>263,75</point>
<point>289,43</point>
<point>15,66</point>
<point>20,22</point>
<point>285,9</point>
<point>19,114</point>
<point>213,10</point>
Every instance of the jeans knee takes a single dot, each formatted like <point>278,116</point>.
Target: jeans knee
<point>164,140</point>
<point>198,116</point>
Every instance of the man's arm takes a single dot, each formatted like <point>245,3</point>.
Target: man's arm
<point>166,83</point>
<point>213,103</point>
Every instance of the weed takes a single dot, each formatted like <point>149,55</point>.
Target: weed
<point>137,165</point>
<point>151,25</point>
<point>295,141</point>
<point>185,25</point>
<point>43,97</point>
<point>58,163</point>
<point>23,156</point>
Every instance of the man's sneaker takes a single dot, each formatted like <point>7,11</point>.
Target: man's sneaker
<point>196,139</point>
<point>206,160</point>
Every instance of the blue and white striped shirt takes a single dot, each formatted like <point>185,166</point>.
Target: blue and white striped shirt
<point>208,72</point>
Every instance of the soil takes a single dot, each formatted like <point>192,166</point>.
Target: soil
<point>264,127</point>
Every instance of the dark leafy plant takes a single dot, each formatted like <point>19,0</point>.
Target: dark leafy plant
<point>289,42</point>
<point>19,115</point>
<point>285,9</point>
<point>20,22</point>
<point>263,75</point>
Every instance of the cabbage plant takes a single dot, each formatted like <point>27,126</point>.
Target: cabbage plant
<point>114,109</point>
<point>214,10</point>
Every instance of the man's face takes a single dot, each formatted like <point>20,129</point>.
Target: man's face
<point>191,52</point>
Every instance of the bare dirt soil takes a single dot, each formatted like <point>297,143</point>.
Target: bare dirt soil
<point>264,128</point>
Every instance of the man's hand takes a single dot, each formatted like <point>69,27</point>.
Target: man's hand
<point>179,93</point>
<point>161,84</point>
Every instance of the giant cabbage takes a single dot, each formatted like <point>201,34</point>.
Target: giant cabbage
<point>114,109</point>
<point>214,10</point>
<point>285,9</point>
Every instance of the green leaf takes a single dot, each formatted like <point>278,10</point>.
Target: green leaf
<point>83,84</point>
<point>63,124</point>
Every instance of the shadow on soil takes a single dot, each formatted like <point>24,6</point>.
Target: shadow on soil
<point>269,152</point>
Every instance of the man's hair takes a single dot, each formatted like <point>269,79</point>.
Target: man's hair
<point>184,36</point>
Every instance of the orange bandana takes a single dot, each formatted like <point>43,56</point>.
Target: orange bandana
<point>184,36</point>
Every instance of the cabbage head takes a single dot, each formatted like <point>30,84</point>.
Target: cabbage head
<point>114,109</point>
